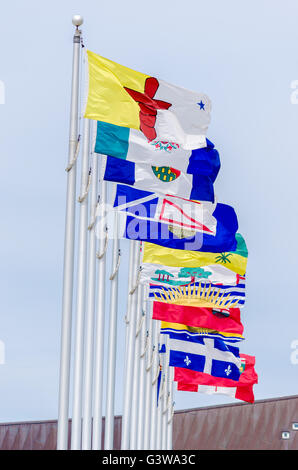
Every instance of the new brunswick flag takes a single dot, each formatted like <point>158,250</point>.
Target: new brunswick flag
<point>124,97</point>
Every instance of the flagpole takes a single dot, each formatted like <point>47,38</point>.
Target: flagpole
<point>90,313</point>
<point>130,350</point>
<point>100,320</point>
<point>136,376</point>
<point>76,425</point>
<point>148,380</point>
<point>112,342</point>
<point>160,401</point>
<point>68,268</point>
<point>170,411</point>
<point>154,378</point>
<point>142,366</point>
<point>165,396</point>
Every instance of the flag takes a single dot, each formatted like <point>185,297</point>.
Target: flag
<point>200,294</point>
<point>241,393</point>
<point>227,320</point>
<point>236,260</point>
<point>185,331</point>
<point>178,212</point>
<point>206,355</point>
<point>248,375</point>
<point>164,233</point>
<point>124,97</point>
<point>175,276</point>
<point>132,145</point>
<point>160,179</point>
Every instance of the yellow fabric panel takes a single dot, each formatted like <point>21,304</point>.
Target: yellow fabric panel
<point>156,254</point>
<point>196,329</point>
<point>107,100</point>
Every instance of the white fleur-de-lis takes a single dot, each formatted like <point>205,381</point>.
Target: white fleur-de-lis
<point>187,361</point>
<point>228,370</point>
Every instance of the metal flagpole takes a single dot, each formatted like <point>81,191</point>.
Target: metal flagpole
<point>90,310</point>
<point>165,396</point>
<point>170,411</point>
<point>68,268</point>
<point>130,350</point>
<point>160,400</point>
<point>155,373</point>
<point>142,371</point>
<point>100,319</point>
<point>136,375</point>
<point>112,345</point>
<point>148,380</point>
<point>76,425</point>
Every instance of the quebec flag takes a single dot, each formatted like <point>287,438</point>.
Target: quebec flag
<point>202,354</point>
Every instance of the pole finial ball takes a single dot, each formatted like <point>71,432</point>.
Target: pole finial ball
<point>77,20</point>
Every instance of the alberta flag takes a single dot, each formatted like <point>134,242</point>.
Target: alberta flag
<point>209,356</point>
<point>132,145</point>
<point>124,97</point>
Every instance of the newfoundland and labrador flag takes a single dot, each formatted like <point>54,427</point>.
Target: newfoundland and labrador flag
<point>219,319</point>
<point>206,355</point>
<point>138,225</point>
<point>121,96</point>
<point>159,179</point>
<point>248,376</point>
<point>235,261</point>
<point>131,144</point>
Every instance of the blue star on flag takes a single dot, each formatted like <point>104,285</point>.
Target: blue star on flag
<point>202,105</point>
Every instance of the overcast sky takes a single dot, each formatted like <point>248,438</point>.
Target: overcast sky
<point>244,56</point>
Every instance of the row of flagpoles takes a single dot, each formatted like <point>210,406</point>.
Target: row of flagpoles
<point>148,379</point>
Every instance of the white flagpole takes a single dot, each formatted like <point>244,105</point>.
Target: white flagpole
<point>136,375</point>
<point>130,350</point>
<point>68,268</point>
<point>142,366</point>
<point>165,396</point>
<point>112,345</point>
<point>100,322</point>
<point>90,311</point>
<point>160,399</point>
<point>148,380</point>
<point>155,372</point>
<point>170,411</point>
<point>76,425</point>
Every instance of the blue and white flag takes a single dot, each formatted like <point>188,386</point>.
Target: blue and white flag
<point>159,179</point>
<point>141,224</point>
<point>211,356</point>
<point>132,145</point>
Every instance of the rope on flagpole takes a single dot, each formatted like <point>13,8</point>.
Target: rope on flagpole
<point>140,323</point>
<point>93,220</point>
<point>157,374</point>
<point>101,255</point>
<point>172,414</point>
<point>77,151</point>
<point>162,387</point>
<point>112,277</point>
<point>168,404</point>
<point>85,193</point>
<point>146,345</point>
<point>137,282</point>
<point>151,361</point>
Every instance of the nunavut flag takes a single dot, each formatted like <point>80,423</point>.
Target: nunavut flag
<point>124,97</point>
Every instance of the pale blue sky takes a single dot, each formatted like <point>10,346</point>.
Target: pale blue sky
<point>244,56</point>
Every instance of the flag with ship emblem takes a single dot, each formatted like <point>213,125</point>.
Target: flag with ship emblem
<point>132,145</point>
<point>159,179</point>
<point>207,355</point>
<point>124,97</point>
